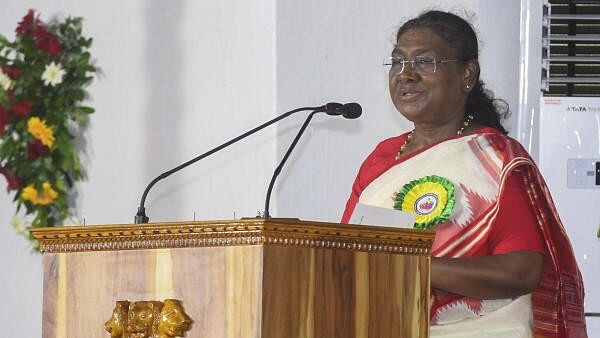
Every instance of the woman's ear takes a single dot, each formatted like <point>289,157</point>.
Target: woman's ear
<point>470,75</point>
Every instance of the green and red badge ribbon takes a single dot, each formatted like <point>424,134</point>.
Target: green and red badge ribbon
<point>430,198</point>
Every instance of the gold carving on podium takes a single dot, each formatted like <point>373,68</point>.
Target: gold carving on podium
<point>148,319</point>
<point>117,323</point>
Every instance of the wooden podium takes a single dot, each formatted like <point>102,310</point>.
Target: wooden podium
<point>241,278</point>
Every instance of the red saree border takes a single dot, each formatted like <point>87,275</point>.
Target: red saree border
<point>557,302</point>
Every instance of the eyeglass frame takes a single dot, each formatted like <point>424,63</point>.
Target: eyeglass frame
<point>390,63</point>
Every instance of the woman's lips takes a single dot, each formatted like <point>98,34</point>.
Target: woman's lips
<point>410,95</point>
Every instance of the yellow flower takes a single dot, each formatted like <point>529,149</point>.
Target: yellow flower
<point>48,196</point>
<point>41,131</point>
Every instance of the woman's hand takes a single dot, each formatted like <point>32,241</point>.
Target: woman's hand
<point>488,277</point>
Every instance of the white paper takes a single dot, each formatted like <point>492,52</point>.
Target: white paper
<point>370,215</point>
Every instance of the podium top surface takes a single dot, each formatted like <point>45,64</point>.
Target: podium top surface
<point>274,231</point>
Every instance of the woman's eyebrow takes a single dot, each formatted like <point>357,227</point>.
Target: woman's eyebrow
<point>418,51</point>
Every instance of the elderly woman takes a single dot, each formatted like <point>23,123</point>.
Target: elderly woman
<point>502,265</point>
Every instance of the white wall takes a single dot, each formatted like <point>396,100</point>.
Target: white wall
<point>180,77</point>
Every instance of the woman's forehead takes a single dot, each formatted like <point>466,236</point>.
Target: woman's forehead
<point>421,40</point>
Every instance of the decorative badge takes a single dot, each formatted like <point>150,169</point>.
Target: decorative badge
<point>431,198</point>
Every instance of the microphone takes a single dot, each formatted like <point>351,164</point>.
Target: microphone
<point>141,218</point>
<point>349,110</point>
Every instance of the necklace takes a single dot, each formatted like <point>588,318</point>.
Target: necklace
<point>465,124</point>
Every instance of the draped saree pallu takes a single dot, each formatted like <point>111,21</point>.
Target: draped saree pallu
<point>454,187</point>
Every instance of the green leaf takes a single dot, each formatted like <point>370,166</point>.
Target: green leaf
<point>86,110</point>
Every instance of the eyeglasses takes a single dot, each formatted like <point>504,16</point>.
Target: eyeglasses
<point>420,64</point>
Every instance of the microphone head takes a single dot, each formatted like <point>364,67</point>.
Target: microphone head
<point>351,110</point>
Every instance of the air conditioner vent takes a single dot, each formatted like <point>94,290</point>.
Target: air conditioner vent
<point>571,48</point>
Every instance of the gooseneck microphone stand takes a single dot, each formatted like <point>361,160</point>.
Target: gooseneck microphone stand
<point>283,160</point>
<point>141,218</point>
<point>349,111</point>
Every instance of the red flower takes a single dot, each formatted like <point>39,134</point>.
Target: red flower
<point>46,41</point>
<point>4,118</point>
<point>11,71</point>
<point>22,108</point>
<point>39,32</point>
<point>28,23</point>
<point>14,182</point>
<point>35,149</point>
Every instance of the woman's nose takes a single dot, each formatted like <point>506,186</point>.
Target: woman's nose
<point>407,74</point>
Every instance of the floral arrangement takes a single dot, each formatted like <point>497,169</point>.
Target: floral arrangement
<point>43,76</point>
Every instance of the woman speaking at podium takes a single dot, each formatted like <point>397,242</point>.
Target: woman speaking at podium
<point>502,264</point>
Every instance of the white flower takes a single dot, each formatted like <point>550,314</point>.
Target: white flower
<point>20,226</point>
<point>5,81</point>
<point>53,74</point>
